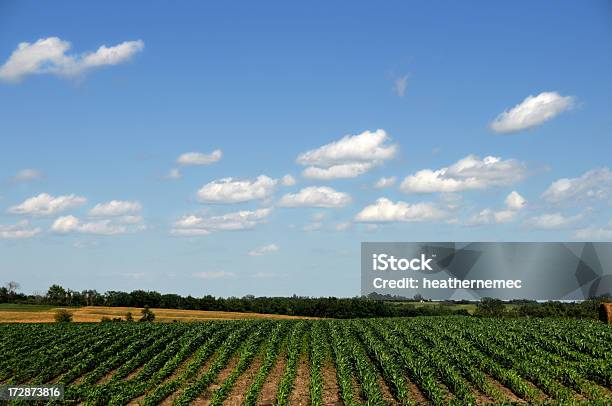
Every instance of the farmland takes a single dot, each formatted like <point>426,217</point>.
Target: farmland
<point>15,313</point>
<point>423,360</point>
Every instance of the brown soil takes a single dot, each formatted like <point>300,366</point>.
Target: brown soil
<point>203,369</point>
<point>300,395</point>
<point>134,372</point>
<point>481,398</point>
<point>243,383</point>
<point>267,397</point>
<point>108,376</point>
<point>177,372</point>
<point>331,396</point>
<point>541,396</point>
<point>206,396</point>
<point>387,395</point>
<point>416,393</point>
<point>357,390</point>
<point>507,394</point>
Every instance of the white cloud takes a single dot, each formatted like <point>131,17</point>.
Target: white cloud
<point>385,182</point>
<point>313,226</point>
<point>316,196</point>
<point>230,190</point>
<point>173,174</point>
<point>484,216</point>
<point>44,204</point>
<point>193,225</point>
<point>514,201</point>
<point>595,184</point>
<point>595,233</point>
<point>288,180</point>
<point>26,175</point>
<point>48,56</point>
<point>531,112</point>
<point>341,171</point>
<point>504,216</point>
<point>69,224</point>
<point>266,249</point>
<point>318,216</point>
<point>384,210</point>
<point>115,208</point>
<point>468,173</point>
<point>551,221</point>
<point>349,157</point>
<point>342,226</point>
<point>399,85</point>
<point>213,275</point>
<point>129,219</point>
<point>488,216</point>
<point>18,231</point>
<point>198,158</point>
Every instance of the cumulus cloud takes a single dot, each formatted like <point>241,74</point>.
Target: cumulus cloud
<point>230,190</point>
<point>551,221</point>
<point>288,180</point>
<point>531,112</point>
<point>213,275</point>
<point>198,158</point>
<point>337,171</point>
<point>514,201</point>
<point>468,173</point>
<point>18,231</point>
<point>595,233</point>
<point>26,175</point>
<point>70,224</point>
<point>129,219</point>
<point>44,204</point>
<point>399,85</point>
<point>49,56</point>
<point>595,184</point>
<point>385,210</point>
<point>266,249</point>
<point>385,182</point>
<point>349,157</point>
<point>193,224</point>
<point>489,216</point>
<point>115,208</point>
<point>315,196</point>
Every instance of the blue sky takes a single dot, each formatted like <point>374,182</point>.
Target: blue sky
<point>460,104</point>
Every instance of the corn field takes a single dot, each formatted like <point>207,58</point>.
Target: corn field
<point>432,360</point>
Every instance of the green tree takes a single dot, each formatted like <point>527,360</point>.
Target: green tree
<point>63,316</point>
<point>56,295</point>
<point>147,314</point>
<point>489,306</point>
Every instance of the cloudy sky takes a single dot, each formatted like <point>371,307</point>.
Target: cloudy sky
<point>250,148</point>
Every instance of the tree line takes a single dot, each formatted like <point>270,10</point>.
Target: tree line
<point>331,307</point>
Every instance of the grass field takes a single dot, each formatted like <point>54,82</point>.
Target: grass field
<point>425,360</point>
<point>11,307</point>
<point>16,313</point>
